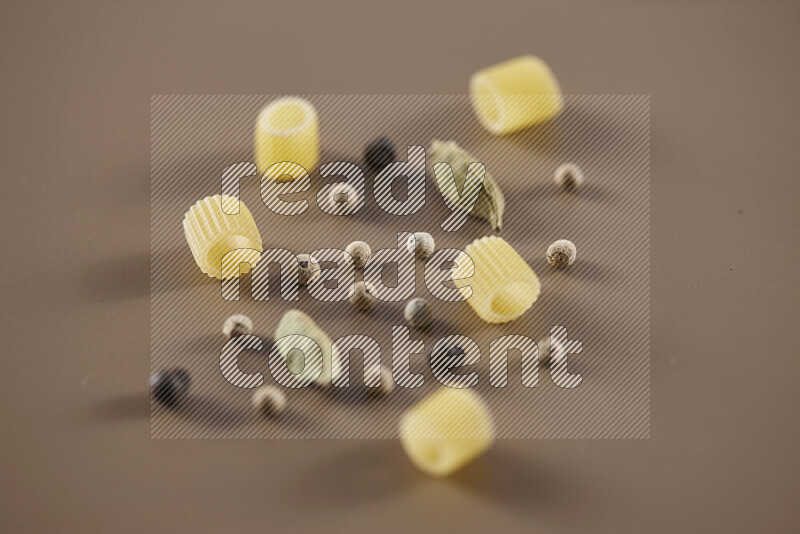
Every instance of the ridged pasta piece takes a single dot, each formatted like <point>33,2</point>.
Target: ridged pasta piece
<point>211,234</point>
<point>446,430</point>
<point>515,94</point>
<point>287,130</point>
<point>503,286</point>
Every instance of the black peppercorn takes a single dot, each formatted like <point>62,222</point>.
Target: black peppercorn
<point>447,358</point>
<point>169,386</point>
<point>418,313</point>
<point>379,154</point>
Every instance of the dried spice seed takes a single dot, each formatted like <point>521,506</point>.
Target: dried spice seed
<point>343,193</point>
<point>421,244</point>
<point>237,325</point>
<point>169,386</point>
<point>378,372</point>
<point>360,252</point>
<point>561,253</point>
<point>342,199</point>
<point>308,269</point>
<point>269,400</point>
<point>446,358</point>
<point>362,297</point>
<point>568,176</point>
<point>546,360</point>
<point>379,154</point>
<point>418,313</point>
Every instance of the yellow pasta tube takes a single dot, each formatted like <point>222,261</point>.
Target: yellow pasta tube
<point>211,234</point>
<point>515,94</point>
<point>287,130</point>
<point>503,286</point>
<point>446,430</point>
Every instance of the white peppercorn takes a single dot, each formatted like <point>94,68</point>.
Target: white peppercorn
<point>342,197</point>
<point>237,325</point>
<point>545,360</point>
<point>421,245</point>
<point>568,176</point>
<point>308,269</point>
<point>362,297</point>
<point>269,400</point>
<point>561,253</point>
<point>360,252</point>
<point>377,372</point>
<point>418,313</point>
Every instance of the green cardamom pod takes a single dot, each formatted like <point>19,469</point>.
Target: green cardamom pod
<point>317,350</point>
<point>490,204</point>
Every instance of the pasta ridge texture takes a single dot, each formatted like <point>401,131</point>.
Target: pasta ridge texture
<point>211,234</point>
<point>503,286</point>
<point>446,430</point>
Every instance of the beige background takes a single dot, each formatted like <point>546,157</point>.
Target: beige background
<point>76,86</point>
